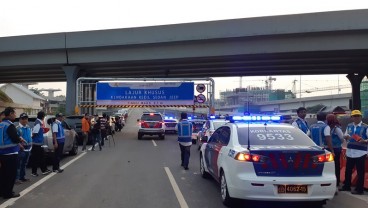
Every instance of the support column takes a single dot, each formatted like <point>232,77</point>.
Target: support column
<point>355,81</point>
<point>71,73</point>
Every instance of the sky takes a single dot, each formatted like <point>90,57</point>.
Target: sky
<point>25,17</point>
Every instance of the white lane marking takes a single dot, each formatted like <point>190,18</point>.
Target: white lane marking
<point>11,201</point>
<point>179,195</point>
<point>154,143</point>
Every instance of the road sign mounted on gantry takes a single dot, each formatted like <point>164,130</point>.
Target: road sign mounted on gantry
<point>145,93</point>
<point>201,88</point>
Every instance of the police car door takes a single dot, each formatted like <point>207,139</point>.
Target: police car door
<point>218,139</point>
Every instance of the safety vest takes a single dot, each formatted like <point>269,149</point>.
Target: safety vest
<point>359,130</point>
<point>185,131</point>
<point>336,142</point>
<point>6,144</point>
<point>303,125</point>
<point>60,137</point>
<point>38,137</point>
<point>26,134</point>
<point>317,134</point>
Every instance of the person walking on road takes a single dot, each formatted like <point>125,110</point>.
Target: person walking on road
<point>96,133</point>
<point>9,148</point>
<point>300,122</point>
<point>185,129</point>
<point>58,140</point>
<point>37,158</point>
<point>103,127</point>
<point>337,140</point>
<point>85,130</point>
<point>24,131</point>
<point>356,135</point>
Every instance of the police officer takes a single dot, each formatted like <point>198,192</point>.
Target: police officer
<point>356,135</point>
<point>185,129</point>
<point>96,133</point>
<point>24,131</point>
<point>8,154</point>
<point>300,123</point>
<point>58,140</point>
<point>321,133</point>
<point>37,153</point>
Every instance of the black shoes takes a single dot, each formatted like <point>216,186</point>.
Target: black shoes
<point>13,195</point>
<point>344,189</point>
<point>355,192</point>
<point>186,168</point>
<point>58,171</point>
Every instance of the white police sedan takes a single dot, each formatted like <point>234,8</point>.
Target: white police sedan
<point>255,159</point>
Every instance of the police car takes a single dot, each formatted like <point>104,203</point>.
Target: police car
<point>170,124</point>
<point>254,158</point>
<point>209,127</point>
<point>197,126</point>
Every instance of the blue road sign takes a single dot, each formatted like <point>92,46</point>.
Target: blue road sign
<point>145,93</point>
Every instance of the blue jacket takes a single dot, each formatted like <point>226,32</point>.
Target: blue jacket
<point>317,134</point>
<point>185,130</point>
<point>7,146</point>
<point>60,137</point>
<point>336,142</point>
<point>26,134</point>
<point>302,126</point>
<point>361,131</point>
<point>37,139</point>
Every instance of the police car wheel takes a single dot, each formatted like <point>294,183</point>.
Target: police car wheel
<point>140,136</point>
<point>226,199</point>
<point>204,173</point>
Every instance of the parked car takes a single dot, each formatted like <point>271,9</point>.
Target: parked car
<point>208,128</point>
<point>71,137</point>
<point>170,125</point>
<point>151,123</point>
<point>75,122</point>
<point>197,126</point>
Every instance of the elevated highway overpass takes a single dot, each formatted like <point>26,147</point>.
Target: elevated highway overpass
<point>302,44</point>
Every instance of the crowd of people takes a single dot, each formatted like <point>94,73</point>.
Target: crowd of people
<point>328,134</point>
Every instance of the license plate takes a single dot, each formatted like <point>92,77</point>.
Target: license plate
<point>292,189</point>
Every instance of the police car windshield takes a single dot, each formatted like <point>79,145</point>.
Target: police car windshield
<point>273,136</point>
<point>218,124</point>
<point>154,117</point>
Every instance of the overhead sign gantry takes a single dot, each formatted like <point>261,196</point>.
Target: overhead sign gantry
<point>144,92</point>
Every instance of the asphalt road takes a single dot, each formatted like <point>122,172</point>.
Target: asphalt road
<point>136,173</point>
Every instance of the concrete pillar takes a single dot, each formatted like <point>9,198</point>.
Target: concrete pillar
<point>355,81</point>
<point>71,73</point>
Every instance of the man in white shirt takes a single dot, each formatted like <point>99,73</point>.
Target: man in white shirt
<point>300,123</point>
<point>356,135</point>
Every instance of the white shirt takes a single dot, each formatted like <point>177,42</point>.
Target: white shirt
<point>36,128</point>
<point>55,127</point>
<point>353,153</point>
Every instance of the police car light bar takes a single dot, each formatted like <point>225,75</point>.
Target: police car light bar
<point>169,117</point>
<point>217,117</point>
<point>256,118</point>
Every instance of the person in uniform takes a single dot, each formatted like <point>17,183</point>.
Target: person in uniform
<point>103,127</point>
<point>356,135</point>
<point>184,129</point>
<point>37,158</point>
<point>300,122</point>
<point>321,133</point>
<point>337,137</point>
<point>9,148</point>
<point>58,140</point>
<point>96,133</point>
<point>24,131</point>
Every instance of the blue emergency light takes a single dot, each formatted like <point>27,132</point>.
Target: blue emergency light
<point>169,117</point>
<point>255,118</point>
